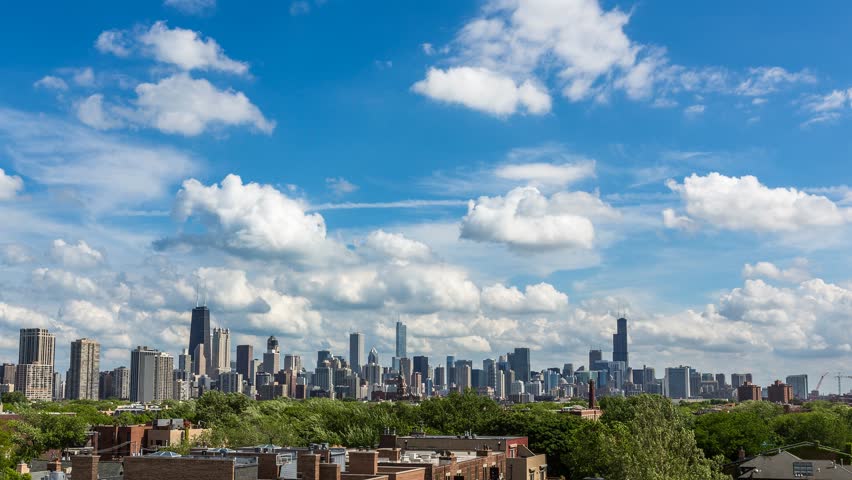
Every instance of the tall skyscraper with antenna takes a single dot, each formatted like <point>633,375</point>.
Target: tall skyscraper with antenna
<point>199,331</point>
<point>619,342</point>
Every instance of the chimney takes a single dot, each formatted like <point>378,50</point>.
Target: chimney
<point>741,454</point>
<point>85,467</point>
<point>22,468</point>
<point>593,403</point>
<point>364,463</point>
<point>392,454</point>
<point>308,465</point>
<point>329,471</point>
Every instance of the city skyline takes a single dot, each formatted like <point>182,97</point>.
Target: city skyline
<point>697,186</point>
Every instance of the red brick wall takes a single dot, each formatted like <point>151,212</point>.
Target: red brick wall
<point>364,462</point>
<point>153,468</point>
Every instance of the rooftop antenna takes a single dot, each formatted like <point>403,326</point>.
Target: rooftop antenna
<point>197,293</point>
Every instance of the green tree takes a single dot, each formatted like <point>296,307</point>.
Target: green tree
<point>13,398</point>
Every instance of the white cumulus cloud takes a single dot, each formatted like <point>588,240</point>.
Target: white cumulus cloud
<point>251,219</point>
<point>743,203</point>
<point>79,255</point>
<point>188,106</point>
<point>485,90</point>
<point>10,185</point>
<point>187,50</point>
<point>527,219</point>
<point>539,298</point>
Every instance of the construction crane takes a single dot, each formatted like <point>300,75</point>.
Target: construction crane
<point>840,376</point>
<point>821,378</point>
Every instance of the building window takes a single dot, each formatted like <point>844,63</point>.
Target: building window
<point>803,469</point>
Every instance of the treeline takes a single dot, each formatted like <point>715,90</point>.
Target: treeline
<point>645,437</point>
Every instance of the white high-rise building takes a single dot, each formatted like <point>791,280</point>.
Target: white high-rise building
<point>121,383</point>
<point>82,380</point>
<point>500,388</point>
<point>220,352</point>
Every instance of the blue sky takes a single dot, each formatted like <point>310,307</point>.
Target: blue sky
<point>498,173</point>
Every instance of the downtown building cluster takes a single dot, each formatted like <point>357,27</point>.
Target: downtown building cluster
<point>206,364</point>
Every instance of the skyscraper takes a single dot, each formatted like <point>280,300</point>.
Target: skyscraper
<point>37,345</point>
<point>401,341</point>
<point>594,356</point>
<point>199,332</point>
<point>150,375</point>
<point>489,366</point>
<point>272,357</point>
<point>373,356</point>
<point>121,383</point>
<point>245,354</point>
<point>800,386</point>
<point>619,342</point>
<point>356,352</point>
<point>451,370</point>
<point>521,363</point>
<point>185,361</point>
<point>324,356</point>
<point>83,374</point>
<point>737,379</point>
<point>34,373</point>
<point>421,366</point>
<point>220,352</point>
<point>676,383</point>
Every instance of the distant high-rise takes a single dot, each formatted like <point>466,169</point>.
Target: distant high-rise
<point>245,354</point>
<point>231,382</point>
<point>8,373</point>
<point>799,383</point>
<point>199,332</point>
<point>489,367</point>
<point>401,340</point>
<point>83,374</point>
<point>738,379</point>
<point>34,373</point>
<point>405,369</point>
<point>676,383</point>
<point>594,356</point>
<point>464,377</point>
<point>293,363</point>
<point>619,342</point>
<point>356,352</point>
<point>720,380</point>
<point>324,356</point>
<point>373,356</point>
<point>220,352</point>
<point>121,383</point>
<point>150,375</point>
<point>37,345</point>
<point>272,357</point>
<point>451,370</point>
<point>185,361</point>
<point>521,363</point>
<point>421,366</point>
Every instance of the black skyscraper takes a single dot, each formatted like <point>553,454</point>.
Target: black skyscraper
<point>199,329</point>
<point>619,343</point>
<point>421,366</point>
<point>594,356</point>
<point>245,354</point>
<point>520,361</point>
